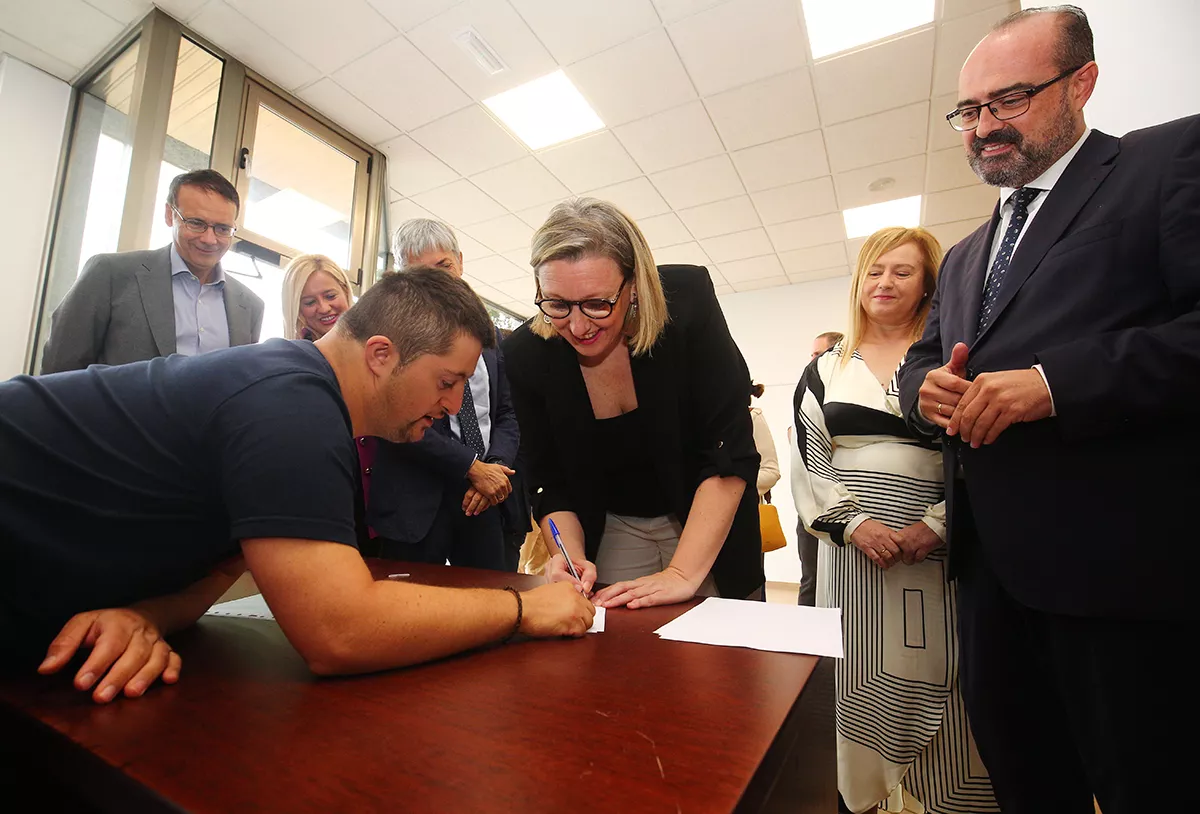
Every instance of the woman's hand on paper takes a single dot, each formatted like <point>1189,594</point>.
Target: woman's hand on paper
<point>663,588</point>
<point>128,653</point>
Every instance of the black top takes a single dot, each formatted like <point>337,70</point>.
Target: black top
<point>119,484</point>
<point>692,387</point>
<point>624,453</point>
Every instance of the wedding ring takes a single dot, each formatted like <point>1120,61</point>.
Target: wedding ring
<point>939,408</point>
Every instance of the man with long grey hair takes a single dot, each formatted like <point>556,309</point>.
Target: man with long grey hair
<point>451,497</point>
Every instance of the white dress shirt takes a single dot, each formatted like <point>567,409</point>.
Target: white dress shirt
<point>1046,182</point>
<point>479,384</point>
<point>201,324</point>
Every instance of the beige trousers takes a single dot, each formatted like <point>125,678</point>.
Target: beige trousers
<point>634,547</point>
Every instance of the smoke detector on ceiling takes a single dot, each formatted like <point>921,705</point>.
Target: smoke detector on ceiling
<point>477,48</point>
<point>880,184</point>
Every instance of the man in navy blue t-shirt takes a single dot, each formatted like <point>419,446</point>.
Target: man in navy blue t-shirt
<point>137,489</point>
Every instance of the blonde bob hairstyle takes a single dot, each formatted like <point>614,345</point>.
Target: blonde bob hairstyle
<point>877,245</point>
<point>295,277</point>
<point>588,227</point>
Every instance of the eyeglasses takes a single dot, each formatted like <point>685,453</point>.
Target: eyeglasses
<point>198,227</point>
<point>596,308</point>
<point>1008,106</point>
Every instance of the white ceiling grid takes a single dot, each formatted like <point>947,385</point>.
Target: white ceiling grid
<point>732,148</point>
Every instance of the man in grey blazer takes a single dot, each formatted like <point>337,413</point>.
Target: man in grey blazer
<point>132,306</point>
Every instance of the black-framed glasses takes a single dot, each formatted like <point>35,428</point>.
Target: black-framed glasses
<point>595,308</point>
<point>198,227</point>
<point>1006,107</point>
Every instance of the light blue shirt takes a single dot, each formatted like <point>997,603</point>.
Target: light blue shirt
<point>479,383</point>
<point>200,321</point>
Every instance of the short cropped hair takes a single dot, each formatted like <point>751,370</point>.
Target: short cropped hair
<point>1074,47</point>
<point>831,338</point>
<point>211,180</point>
<point>415,237</point>
<point>422,311</point>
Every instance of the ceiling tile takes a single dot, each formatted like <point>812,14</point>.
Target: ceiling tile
<point>182,10</point>
<point>765,282</point>
<point>713,179</point>
<point>518,257</point>
<point>593,161</point>
<point>882,137</point>
<point>752,268</point>
<point>573,31</point>
<point>495,269</point>
<point>721,218</point>
<point>253,46</point>
<point>521,289</point>
<point>459,202</point>
<point>671,138</point>
<point>800,234</point>
<point>765,111</point>
<point>664,230</point>
<point>960,204</point>
<point>955,41</point>
<point>502,234</point>
<point>338,104</point>
<point>799,261</point>
<point>637,198</point>
<point>471,248</point>
<point>787,161</point>
<point>960,8</point>
<point>633,80</point>
<point>37,58</point>
<point>521,184</point>
<point>470,141</point>
<point>329,35</point>
<point>123,11</point>
<point>723,289</point>
<point>907,174</point>
<point>736,246</point>
<point>413,169</point>
<point>535,216</point>
<point>483,290</point>
<point>950,233</point>
<point>502,28</point>
<point>716,276</point>
<point>853,247</point>
<point>672,10</point>
<point>524,309</point>
<point>948,169</point>
<point>685,254</point>
<point>402,210</point>
<point>739,42</point>
<point>424,95</point>
<point>796,201</point>
<point>941,135</point>
<point>66,30</point>
<point>820,274</point>
<point>406,15</point>
<point>875,79</point>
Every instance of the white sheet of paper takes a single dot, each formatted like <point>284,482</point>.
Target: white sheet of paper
<point>597,621</point>
<point>761,626</point>
<point>249,607</point>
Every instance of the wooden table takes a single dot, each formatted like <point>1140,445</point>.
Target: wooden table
<point>616,722</point>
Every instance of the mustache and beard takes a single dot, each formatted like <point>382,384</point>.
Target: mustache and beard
<point>1028,159</point>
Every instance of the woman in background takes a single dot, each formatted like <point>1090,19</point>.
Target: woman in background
<point>768,466</point>
<point>316,291</point>
<point>869,490</point>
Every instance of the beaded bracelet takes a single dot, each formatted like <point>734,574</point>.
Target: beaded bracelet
<point>517,624</point>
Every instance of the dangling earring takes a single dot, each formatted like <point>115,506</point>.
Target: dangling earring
<point>633,310</point>
<point>545,319</point>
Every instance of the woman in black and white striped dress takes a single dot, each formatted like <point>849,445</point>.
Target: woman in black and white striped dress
<point>863,485</point>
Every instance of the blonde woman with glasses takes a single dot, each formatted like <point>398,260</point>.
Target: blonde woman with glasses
<point>631,396</point>
<point>316,292</point>
<point>873,493</point>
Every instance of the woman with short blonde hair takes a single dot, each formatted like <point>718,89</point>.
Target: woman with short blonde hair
<point>316,292</point>
<point>632,397</point>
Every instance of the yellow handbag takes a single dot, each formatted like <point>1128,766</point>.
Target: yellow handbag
<point>769,525</point>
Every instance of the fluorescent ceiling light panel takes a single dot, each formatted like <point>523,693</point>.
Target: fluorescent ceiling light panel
<point>837,25</point>
<point>545,111</point>
<point>864,220</point>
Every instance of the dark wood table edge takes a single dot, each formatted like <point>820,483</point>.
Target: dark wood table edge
<point>38,756</point>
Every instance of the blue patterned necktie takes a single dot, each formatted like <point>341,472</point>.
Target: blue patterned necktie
<point>468,422</point>
<point>1020,213</point>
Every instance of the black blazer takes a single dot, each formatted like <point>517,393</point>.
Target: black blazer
<point>408,481</point>
<point>1087,513</point>
<point>695,386</point>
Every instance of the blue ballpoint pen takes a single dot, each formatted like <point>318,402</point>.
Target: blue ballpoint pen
<point>558,542</point>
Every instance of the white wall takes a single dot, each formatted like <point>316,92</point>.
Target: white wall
<point>1148,59</point>
<point>774,328</point>
<point>33,116</point>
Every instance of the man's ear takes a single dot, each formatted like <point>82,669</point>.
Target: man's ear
<point>381,355</point>
<point>168,215</point>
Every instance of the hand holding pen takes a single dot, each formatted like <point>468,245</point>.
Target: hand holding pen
<point>582,572</point>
